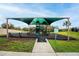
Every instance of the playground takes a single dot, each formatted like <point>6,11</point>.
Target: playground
<point>39,39</point>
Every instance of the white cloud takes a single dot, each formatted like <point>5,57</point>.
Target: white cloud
<point>10,8</point>
<point>15,11</point>
<point>38,11</point>
<point>2,17</point>
<point>73,13</point>
<point>26,11</point>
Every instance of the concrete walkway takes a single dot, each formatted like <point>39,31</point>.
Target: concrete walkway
<point>8,53</point>
<point>43,48</point>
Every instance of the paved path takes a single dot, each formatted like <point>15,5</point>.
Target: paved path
<point>43,48</point>
<point>8,53</point>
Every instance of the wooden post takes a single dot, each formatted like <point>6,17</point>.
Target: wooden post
<point>68,29</point>
<point>7,27</point>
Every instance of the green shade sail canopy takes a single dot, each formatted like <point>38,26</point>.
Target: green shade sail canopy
<point>41,20</point>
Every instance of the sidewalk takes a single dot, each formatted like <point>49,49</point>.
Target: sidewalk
<point>8,53</point>
<point>43,48</point>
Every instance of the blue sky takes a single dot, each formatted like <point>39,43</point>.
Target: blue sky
<point>40,10</point>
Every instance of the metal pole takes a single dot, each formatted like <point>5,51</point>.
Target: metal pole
<point>28,28</point>
<point>46,30</point>
<point>7,27</point>
<point>68,29</point>
<point>55,36</point>
<point>55,33</point>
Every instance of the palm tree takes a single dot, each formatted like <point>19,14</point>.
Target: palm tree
<point>67,23</point>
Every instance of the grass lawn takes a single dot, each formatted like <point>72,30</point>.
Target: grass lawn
<point>17,46</point>
<point>66,46</point>
<point>2,35</point>
<point>71,34</point>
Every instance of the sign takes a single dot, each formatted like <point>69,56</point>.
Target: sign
<point>56,30</point>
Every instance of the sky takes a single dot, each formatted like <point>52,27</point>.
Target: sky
<point>8,10</point>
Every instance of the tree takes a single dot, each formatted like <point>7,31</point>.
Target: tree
<point>67,23</point>
<point>75,29</point>
<point>25,29</point>
<point>10,26</point>
<point>17,28</point>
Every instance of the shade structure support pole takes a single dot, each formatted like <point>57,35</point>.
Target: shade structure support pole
<point>28,29</point>
<point>46,29</point>
<point>7,27</point>
<point>68,29</point>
